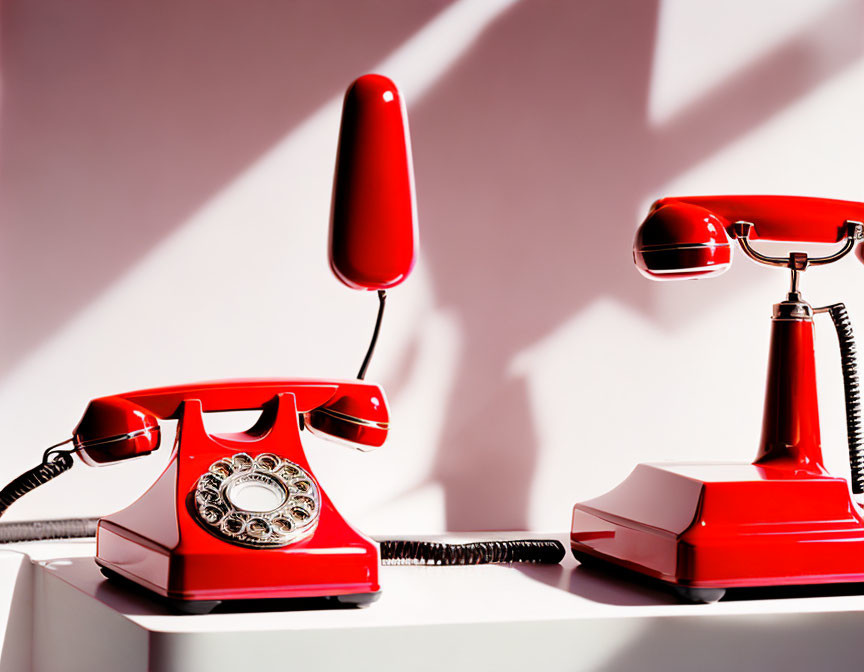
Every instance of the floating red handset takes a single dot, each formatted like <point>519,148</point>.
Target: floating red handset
<point>373,229</point>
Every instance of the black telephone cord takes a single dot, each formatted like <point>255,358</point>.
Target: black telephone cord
<point>852,393</point>
<point>382,301</point>
<point>403,552</point>
<point>51,467</point>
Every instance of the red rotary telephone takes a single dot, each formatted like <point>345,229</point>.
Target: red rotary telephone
<point>199,534</point>
<point>237,516</point>
<point>782,520</point>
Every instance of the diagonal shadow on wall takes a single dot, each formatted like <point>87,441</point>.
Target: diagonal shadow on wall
<point>533,156</point>
<point>120,119</point>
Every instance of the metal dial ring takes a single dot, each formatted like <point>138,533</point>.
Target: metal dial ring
<point>262,502</point>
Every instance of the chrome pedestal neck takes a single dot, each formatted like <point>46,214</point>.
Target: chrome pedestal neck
<point>794,307</point>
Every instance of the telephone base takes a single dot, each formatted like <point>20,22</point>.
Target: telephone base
<point>213,571</point>
<point>710,527</point>
<point>686,593</point>
<point>194,607</point>
<point>161,542</point>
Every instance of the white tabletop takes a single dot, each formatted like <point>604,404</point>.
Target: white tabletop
<point>482,617</point>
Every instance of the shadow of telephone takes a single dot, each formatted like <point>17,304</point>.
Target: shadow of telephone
<point>782,520</point>
<point>241,516</point>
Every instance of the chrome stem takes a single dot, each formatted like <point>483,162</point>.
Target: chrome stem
<point>796,262</point>
<point>793,287</point>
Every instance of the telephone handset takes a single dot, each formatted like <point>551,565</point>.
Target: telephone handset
<point>238,516</point>
<point>692,237</point>
<point>781,520</point>
<point>126,425</point>
<point>264,495</point>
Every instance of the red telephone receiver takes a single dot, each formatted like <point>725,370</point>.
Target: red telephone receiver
<point>373,222</point>
<point>126,425</point>
<point>691,237</point>
<point>782,520</point>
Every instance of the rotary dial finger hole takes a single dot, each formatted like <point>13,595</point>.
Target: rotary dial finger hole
<point>301,485</point>
<point>241,461</point>
<point>282,526</point>
<point>233,525</point>
<point>268,461</point>
<point>289,471</point>
<point>222,468</point>
<point>306,502</point>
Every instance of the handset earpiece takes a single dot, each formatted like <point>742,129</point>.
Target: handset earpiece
<point>115,429</point>
<point>356,417</point>
<point>678,241</point>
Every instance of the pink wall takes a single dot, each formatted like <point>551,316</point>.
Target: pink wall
<point>535,154</point>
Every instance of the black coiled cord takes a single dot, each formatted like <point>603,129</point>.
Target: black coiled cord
<point>401,552</point>
<point>51,467</point>
<point>848,361</point>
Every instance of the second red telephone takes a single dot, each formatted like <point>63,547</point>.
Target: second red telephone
<point>782,520</point>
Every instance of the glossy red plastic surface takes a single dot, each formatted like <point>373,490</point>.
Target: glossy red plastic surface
<point>725,526</point>
<point>689,237</point>
<point>357,415</point>
<point>361,401</point>
<point>157,542</point>
<point>673,244</point>
<point>790,420</point>
<point>358,435</point>
<point>780,521</point>
<point>115,429</point>
<point>782,218</point>
<point>373,228</point>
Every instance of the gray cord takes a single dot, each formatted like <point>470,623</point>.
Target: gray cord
<point>37,530</point>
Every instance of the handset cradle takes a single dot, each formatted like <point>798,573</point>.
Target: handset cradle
<point>783,519</point>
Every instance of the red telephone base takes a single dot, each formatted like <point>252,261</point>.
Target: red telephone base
<point>718,526</point>
<point>248,574</point>
<point>158,543</point>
